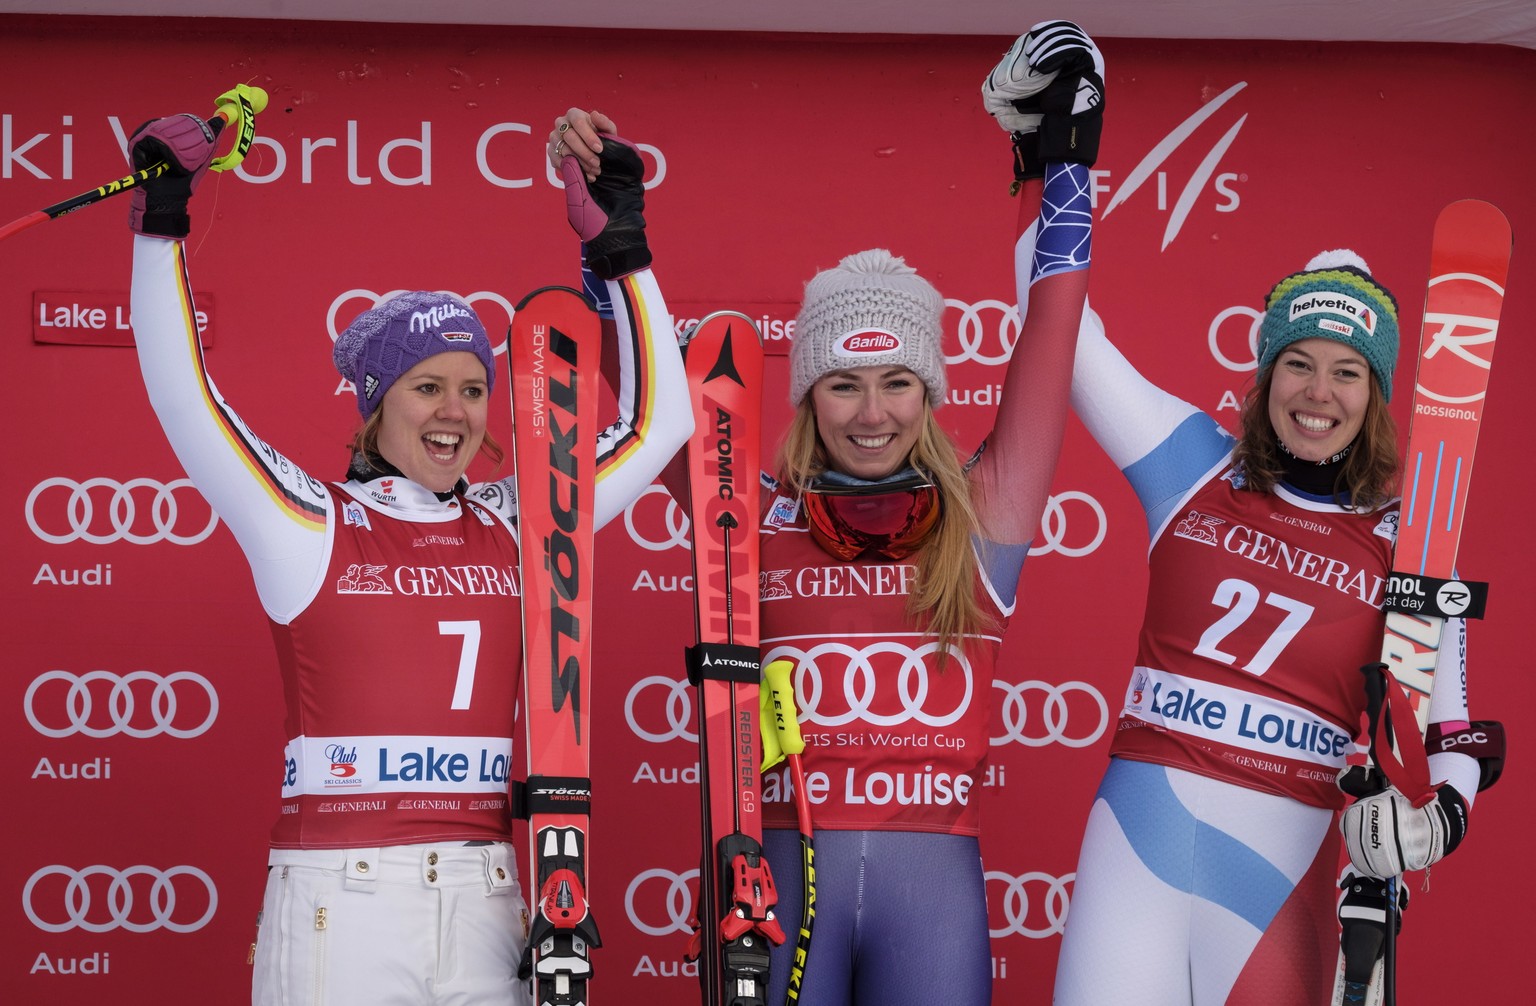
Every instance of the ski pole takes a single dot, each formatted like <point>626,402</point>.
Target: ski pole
<point>235,107</point>
<point>787,730</point>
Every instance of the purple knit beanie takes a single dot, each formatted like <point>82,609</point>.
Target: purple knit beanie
<point>385,341</point>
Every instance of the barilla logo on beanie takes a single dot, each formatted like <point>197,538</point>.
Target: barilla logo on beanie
<point>1356,311</point>
<point>867,342</point>
<point>871,309</point>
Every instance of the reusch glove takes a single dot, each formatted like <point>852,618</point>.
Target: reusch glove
<point>1387,835</point>
<point>1048,92</point>
<point>185,143</point>
<point>608,213</point>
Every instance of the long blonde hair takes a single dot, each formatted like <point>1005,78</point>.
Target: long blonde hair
<point>944,601</point>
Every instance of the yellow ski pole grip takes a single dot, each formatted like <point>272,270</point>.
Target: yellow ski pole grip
<point>239,107</point>
<point>786,720</point>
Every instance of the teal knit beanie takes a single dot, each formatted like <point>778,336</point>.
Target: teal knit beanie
<point>1334,297</point>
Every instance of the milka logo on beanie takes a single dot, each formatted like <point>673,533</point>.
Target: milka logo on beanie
<point>1360,313</point>
<point>434,317</point>
<point>867,342</point>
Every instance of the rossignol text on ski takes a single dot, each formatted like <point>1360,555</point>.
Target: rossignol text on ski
<point>1469,263</point>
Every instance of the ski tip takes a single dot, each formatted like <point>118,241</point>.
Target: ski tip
<point>1487,218</point>
<point>728,318</point>
<point>555,292</point>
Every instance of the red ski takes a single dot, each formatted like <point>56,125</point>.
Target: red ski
<point>1469,263</point>
<point>735,909</point>
<point>555,346</point>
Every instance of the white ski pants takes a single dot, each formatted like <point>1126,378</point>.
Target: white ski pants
<point>439,924</point>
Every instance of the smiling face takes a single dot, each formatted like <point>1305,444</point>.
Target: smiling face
<point>1318,396</point>
<point>434,419</point>
<point>868,419</point>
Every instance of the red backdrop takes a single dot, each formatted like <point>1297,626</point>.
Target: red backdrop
<point>142,721</point>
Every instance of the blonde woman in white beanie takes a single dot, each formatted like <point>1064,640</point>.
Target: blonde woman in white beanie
<point>890,565</point>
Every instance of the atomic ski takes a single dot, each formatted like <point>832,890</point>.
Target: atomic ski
<point>555,345</point>
<point>1469,263</point>
<point>735,909</point>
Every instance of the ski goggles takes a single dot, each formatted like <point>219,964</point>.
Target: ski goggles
<point>891,520</point>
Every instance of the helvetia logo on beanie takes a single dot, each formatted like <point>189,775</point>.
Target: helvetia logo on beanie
<point>867,342</point>
<point>1361,314</point>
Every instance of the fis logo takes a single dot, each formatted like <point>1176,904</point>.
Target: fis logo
<point>1204,174</point>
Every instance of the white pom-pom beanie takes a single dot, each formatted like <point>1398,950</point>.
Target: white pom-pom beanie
<point>871,310</point>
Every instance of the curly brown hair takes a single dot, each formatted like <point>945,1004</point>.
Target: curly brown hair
<point>1368,476</point>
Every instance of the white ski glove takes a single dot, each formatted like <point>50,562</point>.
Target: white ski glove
<point>1387,836</point>
<point>1011,92</point>
<point>1048,93</point>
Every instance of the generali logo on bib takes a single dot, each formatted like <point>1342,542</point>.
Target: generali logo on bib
<point>867,342</point>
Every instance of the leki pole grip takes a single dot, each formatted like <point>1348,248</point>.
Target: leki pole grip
<point>238,107</point>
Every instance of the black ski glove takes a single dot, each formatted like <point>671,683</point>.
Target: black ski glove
<point>608,213</point>
<point>185,143</point>
<point>1048,92</point>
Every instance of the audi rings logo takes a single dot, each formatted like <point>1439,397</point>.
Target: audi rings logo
<point>103,704</point>
<point>1033,904</point>
<point>985,332</point>
<point>1055,529</point>
<point>655,522</point>
<point>139,899</point>
<point>1241,333</point>
<point>1054,724</point>
<point>660,902</point>
<point>494,310</point>
<point>102,511</point>
<point>914,690</point>
<point>675,706</point>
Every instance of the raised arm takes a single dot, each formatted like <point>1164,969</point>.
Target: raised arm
<point>275,511</point>
<point>1048,94</point>
<point>605,202</point>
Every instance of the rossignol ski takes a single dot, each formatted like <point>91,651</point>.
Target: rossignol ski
<point>735,909</point>
<point>554,347</point>
<point>1469,263</point>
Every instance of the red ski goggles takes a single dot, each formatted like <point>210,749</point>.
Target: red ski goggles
<point>890,520</point>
